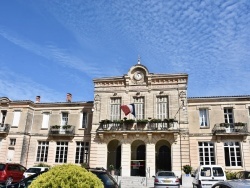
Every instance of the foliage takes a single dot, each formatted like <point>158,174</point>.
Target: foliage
<point>67,176</point>
<point>239,124</point>
<point>55,126</point>
<point>231,175</point>
<point>85,165</point>
<point>129,121</point>
<point>105,121</point>
<point>142,121</point>
<point>118,121</point>
<point>155,121</point>
<point>66,126</point>
<point>42,165</point>
<point>111,167</point>
<point>187,169</point>
<point>224,125</point>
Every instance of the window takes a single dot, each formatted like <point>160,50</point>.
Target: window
<point>228,115</point>
<point>139,107</point>
<point>64,118</point>
<point>12,142</point>
<point>203,117</point>
<point>45,122</point>
<point>162,107</point>
<point>61,152</point>
<point>42,151</point>
<point>206,153</point>
<point>16,118</point>
<point>82,152</point>
<point>232,154</point>
<point>3,116</point>
<point>115,110</point>
<point>84,120</point>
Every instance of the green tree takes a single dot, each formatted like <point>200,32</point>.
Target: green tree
<point>67,176</point>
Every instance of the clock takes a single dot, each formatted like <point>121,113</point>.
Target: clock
<point>138,75</point>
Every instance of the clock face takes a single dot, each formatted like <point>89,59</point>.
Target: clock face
<point>138,75</point>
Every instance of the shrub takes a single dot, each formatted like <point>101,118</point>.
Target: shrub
<point>155,121</point>
<point>231,175</point>
<point>187,169</point>
<point>42,165</point>
<point>67,176</point>
<point>142,121</point>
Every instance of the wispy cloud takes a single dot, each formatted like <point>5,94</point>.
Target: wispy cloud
<point>15,86</point>
<point>51,52</point>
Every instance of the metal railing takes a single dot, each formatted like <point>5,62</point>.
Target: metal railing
<point>4,128</point>
<point>60,131</point>
<point>150,126</point>
<point>230,128</point>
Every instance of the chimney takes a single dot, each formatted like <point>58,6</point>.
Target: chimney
<point>38,99</point>
<point>69,97</point>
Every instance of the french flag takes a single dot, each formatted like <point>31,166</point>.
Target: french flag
<point>128,109</point>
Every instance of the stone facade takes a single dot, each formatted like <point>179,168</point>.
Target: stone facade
<point>193,131</point>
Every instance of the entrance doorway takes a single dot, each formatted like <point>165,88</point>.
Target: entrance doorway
<point>138,158</point>
<point>114,156</point>
<point>163,156</point>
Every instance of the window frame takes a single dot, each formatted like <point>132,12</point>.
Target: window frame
<point>139,103</point>
<point>84,120</point>
<point>16,118</point>
<point>206,147</point>
<point>115,108</point>
<point>233,154</point>
<point>227,114</point>
<point>42,151</point>
<point>61,155</point>
<point>162,107</point>
<point>204,118</point>
<point>65,119</point>
<point>82,152</point>
<point>3,116</point>
<point>45,121</point>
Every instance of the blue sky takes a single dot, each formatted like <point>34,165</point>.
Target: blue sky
<point>51,47</point>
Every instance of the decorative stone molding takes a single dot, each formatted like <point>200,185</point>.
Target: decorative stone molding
<point>101,137</point>
<point>245,138</point>
<point>175,137</point>
<point>150,137</point>
<point>125,136</point>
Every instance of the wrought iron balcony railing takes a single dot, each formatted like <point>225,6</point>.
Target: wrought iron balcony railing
<point>57,130</point>
<point>4,128</point>
<point>137,126</point>
<point>230,128</point>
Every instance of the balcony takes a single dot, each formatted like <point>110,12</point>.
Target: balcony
<point>65,130</point>
<point>139,125</point>
<point>4,129</point>
<point>230,129</point>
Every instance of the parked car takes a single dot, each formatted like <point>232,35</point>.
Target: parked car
<point>166,179</point>
<point>232,184</point>
<point>11,173</point>
<point>24,183</point>
<point>243,175</point>
<point>208,175</point>
<point>105,177</point>
<point>34,170</point>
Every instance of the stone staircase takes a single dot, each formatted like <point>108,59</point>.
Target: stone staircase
<point>134,182</point>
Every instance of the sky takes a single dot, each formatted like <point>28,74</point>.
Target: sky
<point>52,47</point>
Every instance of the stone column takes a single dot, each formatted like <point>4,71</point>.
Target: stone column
<point>150,159</point>
<point>125,159</point>
<point>98,152</point>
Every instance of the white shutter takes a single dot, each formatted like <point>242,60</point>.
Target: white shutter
<point>16,118</point>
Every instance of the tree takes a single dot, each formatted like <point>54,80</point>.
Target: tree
<point>67,176</point>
